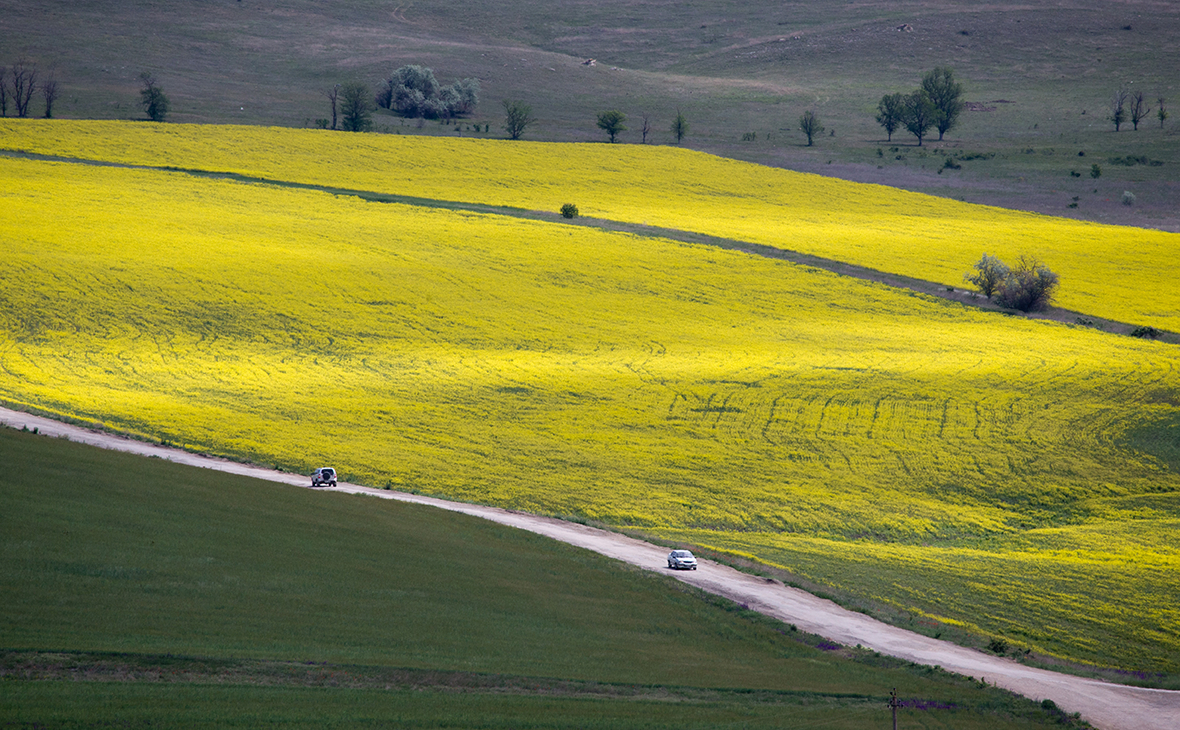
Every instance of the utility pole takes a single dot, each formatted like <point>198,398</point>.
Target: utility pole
<point>893,705</point>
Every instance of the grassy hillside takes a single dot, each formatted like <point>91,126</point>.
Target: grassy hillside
<point>177,597</point>
<point>1039,73</point>
<point>888,444</point>
<point>1107,271</point>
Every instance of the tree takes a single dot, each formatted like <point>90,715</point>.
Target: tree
<point>1139,109</point>
<point>517,118</point>
<point>679,127</point>
<point>646,128</point>
<point>611,122</point>
<point>333,95</point>
<point>810,125</point>
<point>946,96</point>
<point>1118,108</point>
<point>356,108</point>
<point>24,83</point>
<point>989,274</point>
<point>153,98</point>
<point>4,92</point>
<point>49,93</point>
<point>1029,286</point>
<point>891,112</point>
<point>919,114</point>
<point>413,91</point>
<point>1162,113</point>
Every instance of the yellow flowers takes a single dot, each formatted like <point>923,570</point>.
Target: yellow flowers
<point>861,435</point>
<point>1107,271</point>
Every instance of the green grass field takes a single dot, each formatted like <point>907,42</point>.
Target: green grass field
<point>190,598</point>
<point>1044,71</point>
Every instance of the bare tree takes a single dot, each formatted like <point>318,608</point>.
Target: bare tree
<point>49,93</point>
<point>810,125</point>
<point>679,126</point>
<point>24,83</point>
<point>646,127</point>
<point>1139,109</point>
<point>1118,108</point>
<point>1162,112</point>
<point>517,118</point>
<point>1029,286</point>
<point>333,94</point>
<point>4,92</point>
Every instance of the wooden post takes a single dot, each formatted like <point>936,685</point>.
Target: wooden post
<point>893,705</point>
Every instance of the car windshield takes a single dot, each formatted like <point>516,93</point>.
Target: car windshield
<point>681,554</point>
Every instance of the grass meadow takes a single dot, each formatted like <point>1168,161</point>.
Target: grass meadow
<point>177,597</point>
<point>1107,271</point>
<point>1040,75</point>
<point>1005,476</point>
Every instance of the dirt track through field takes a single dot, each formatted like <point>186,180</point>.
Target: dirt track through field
<point>1107,706</point>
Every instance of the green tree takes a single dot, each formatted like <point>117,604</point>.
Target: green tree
<point>989,274</point>
<point>920,114</point>
<point>679,127</point>
<point>946,96</point>
<point>1162,112</point>
<point>810,125</point>
<point>611,122</point>
<point>356,107</point>
<point>153,98</point>
<point>517,118</point>
<point>891,112</point>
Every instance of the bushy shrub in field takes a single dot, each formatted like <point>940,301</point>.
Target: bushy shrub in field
<point>1029,286</point>
<point>412,91</point>
<point>990,272</point>
<point>569,210</point>
<point>1128,197</point>
<point>1147,333</point>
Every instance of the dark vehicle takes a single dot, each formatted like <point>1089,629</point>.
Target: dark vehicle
<point>681,560</point>
<point>324,477</point>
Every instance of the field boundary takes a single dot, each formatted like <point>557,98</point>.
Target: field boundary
<point>961,295</point>
<point>1106,705</point>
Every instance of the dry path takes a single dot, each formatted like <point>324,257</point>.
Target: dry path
<point>1107,706</point>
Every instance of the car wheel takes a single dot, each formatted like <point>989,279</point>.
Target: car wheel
<point>694,567</point>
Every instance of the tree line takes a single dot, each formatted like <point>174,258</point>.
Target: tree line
<point>20,82</point>
<point>936,103</point>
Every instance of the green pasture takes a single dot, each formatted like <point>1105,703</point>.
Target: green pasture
<point>196,599</point>
<point>1040,73</point>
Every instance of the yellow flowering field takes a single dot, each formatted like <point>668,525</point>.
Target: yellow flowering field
<point>962,465</point>
<point>1115,272</point>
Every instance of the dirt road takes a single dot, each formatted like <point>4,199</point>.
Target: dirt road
<point>1107,706</point>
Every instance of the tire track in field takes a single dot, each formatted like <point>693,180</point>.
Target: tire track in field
<point>1107,706</point>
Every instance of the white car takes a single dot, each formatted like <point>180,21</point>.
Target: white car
<point>324,476</point>
<point>681,560</point>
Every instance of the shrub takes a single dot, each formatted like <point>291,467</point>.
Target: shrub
<point>1128,197</point>
<point>1029,286</point>
<point>569,210</point>
<point>412,91</point>
<point>1095,171</point>
<point>1147,333</point>
<point>998,646</point>
<point>990,273</point>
